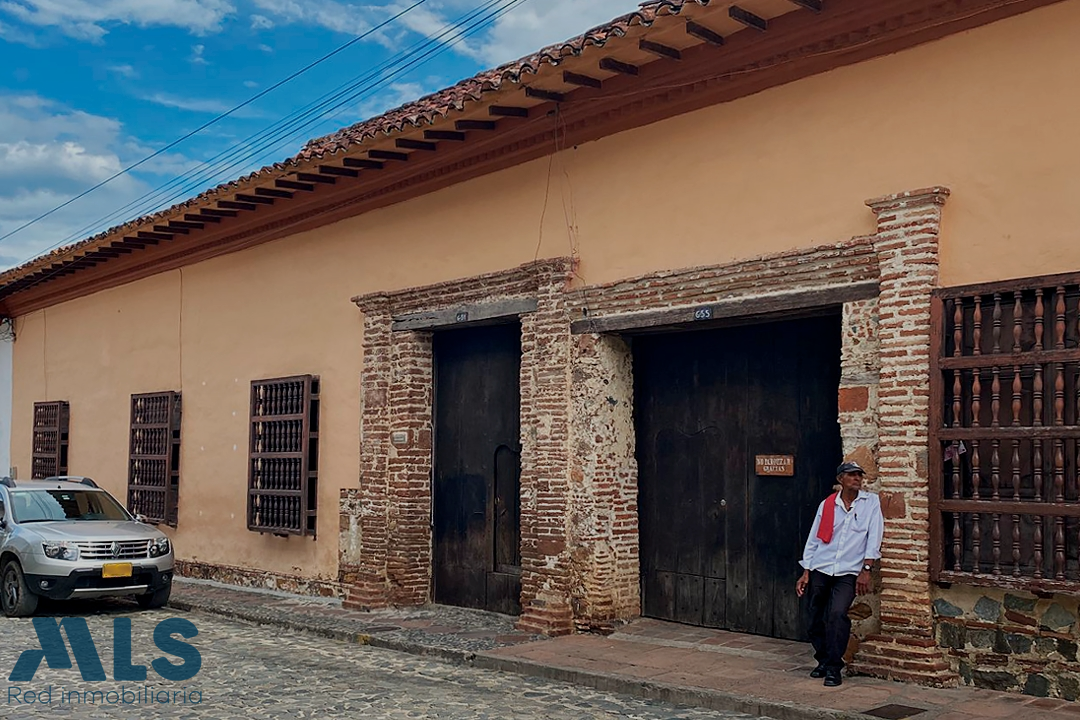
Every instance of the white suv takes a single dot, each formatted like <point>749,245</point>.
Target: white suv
<point>65,537</point>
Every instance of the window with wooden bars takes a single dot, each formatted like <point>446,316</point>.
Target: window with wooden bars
<point>1005,435</point>
<point>283,460</point>
<point>50,439</point>
<point>154,458</point>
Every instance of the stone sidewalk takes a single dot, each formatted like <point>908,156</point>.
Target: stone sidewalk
<point>647,658</point>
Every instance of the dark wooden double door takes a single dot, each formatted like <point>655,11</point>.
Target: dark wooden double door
<point>720,544</point>
<point>477,468</point>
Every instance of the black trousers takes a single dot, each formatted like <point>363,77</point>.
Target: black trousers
<point>830,627</point>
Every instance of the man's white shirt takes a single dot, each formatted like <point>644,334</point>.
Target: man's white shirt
<point>856,537</point>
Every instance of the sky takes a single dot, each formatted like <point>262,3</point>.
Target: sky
<point>91,87</point>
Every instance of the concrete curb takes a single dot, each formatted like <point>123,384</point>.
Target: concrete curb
<point>604,682</point>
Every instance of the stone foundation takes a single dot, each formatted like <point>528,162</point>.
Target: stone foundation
<point>1012,641</point>
<point>264,579</point>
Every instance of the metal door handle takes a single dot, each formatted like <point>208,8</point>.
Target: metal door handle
<point>723,503</point>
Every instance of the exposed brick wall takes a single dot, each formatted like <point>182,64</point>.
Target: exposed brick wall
<point>385,523</point>
<point>907,247</point>
<point>249,577</point>
<point>603,513</point>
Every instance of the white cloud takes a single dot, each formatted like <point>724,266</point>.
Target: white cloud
<point>250,84</point>
<point>261,22</point>
<point>339,17</point>
<point>49,154</point>
<point>266,48</point>
<point>124,71</point>
<point>522,29</point>
<point>199,105</point>
<point>88,19</point>
<point>534,25</point>
<point>197,55</point>
<point>394,96</point>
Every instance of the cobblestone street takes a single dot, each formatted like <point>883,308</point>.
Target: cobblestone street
<point>251,671</point>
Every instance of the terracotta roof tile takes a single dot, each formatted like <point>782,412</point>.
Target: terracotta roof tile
<point>422,112</point>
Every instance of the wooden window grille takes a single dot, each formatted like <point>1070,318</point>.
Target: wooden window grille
<point>283,460</point>
<point>1005,435</point>
<point>50,439</point>
<point>154,459</point>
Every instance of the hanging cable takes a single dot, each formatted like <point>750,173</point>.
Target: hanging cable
<point>222,116</point>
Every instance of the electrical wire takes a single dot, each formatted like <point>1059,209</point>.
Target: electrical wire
<point>223,115</point>
<point>283,131</point>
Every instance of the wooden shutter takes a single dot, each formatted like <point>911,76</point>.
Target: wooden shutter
<point>50,438</point>
<point>154,459</point>
<point>1005,435</point>
<point>282,466</point>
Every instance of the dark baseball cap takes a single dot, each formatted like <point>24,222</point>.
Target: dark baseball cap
<point>849,467</point>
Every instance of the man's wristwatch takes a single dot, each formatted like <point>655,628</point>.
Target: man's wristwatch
<point>868,568</point>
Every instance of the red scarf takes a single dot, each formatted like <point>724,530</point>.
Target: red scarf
<point>828,519</point>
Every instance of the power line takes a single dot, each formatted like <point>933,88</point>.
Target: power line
<point>274,136</point>
<point>225,114</point>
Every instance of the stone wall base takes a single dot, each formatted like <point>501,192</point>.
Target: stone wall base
<point>264,579</point>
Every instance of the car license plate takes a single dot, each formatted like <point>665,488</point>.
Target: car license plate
<point>115,570</point>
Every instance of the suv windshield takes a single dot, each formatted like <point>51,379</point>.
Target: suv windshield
<point>48,505</point>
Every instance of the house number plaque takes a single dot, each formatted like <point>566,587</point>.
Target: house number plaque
<point>782,465</point>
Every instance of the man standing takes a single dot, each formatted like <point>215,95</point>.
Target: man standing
<point>844,542</point>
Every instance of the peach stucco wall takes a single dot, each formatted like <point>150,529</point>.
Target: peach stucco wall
<point>989,113</point>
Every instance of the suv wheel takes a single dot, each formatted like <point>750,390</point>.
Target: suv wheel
<point>15,597</point>
<point>155,599</point>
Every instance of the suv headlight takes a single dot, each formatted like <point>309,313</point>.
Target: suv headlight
<point>158,547</point>
<point>61,550</point>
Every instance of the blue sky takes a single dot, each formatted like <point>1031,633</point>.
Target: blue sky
<point>88,87</point>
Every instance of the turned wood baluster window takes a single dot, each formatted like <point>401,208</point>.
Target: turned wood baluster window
<point>283,460</point>
<point>50,440</point>
<point>1005,435</point>
<point>154,458</point>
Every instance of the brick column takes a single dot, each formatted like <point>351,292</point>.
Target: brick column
<point>364,511</point>
<point>545,461</point>
<point>907,246</point>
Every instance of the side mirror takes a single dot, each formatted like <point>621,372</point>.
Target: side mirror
<point>140,518</point>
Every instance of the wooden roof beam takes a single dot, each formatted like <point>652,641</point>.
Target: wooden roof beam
<point>169,229</point>
<point>315,178</point>
<point>548,95</point>
<point>504,111</point>
<point>293,185</point>
<point>748,18</point>
<point>273,193</point>
<point>177,225</point>
<point>215,212</point>
<point>444,135</point>
<point>254,199</point>
<point>573,78</point>
<point>475,125</point>
<point>338,171</point>
<point>157,237</point>
<point>201,218</point>
<point>618,66</point>
<point>408,144</point>
<point>815,5</point>
<point>363,163</point>
<point>387,155</point>
<point>234,205</point>
<point>656,48</point>
<point>703,33</point>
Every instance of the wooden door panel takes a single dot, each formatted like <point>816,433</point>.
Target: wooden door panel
<point>705,404</point>
<point>476,484</point>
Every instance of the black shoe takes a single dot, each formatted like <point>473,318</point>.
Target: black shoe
<point>832,678</point>
<point>818,672</point>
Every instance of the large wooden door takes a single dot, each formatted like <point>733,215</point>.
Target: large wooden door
<point>476,485</point>
<point>719,544</point>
